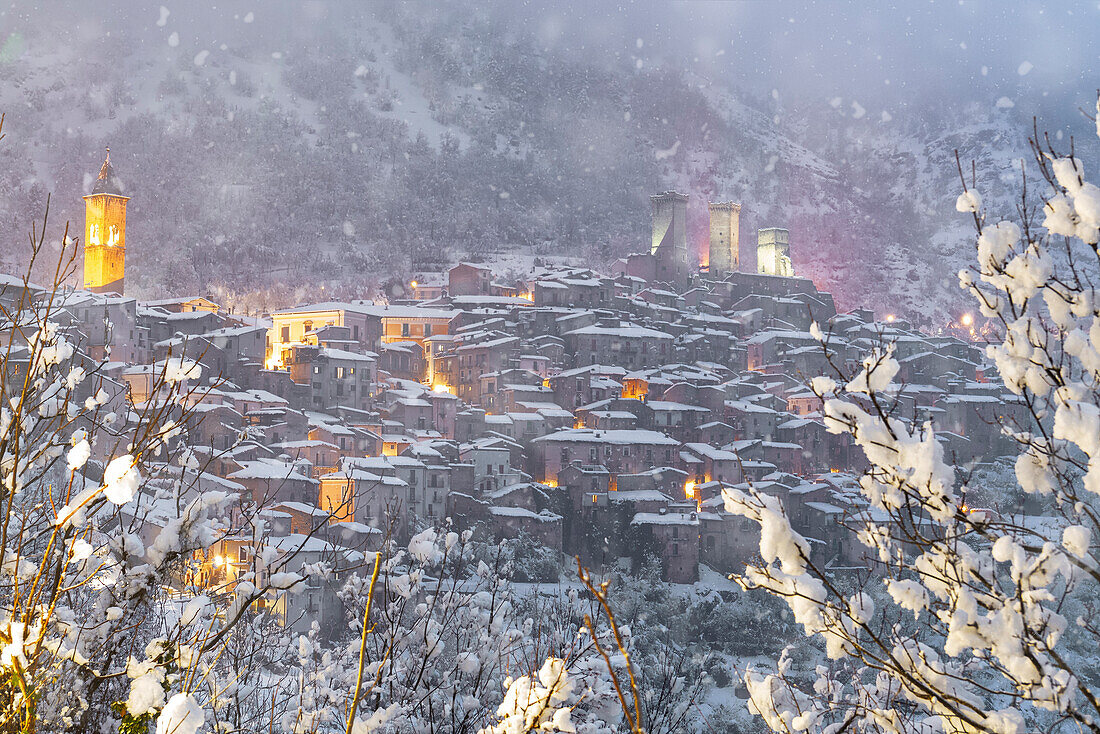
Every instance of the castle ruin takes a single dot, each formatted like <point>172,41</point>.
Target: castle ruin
<point>724,255</point>
<point>773,252</point>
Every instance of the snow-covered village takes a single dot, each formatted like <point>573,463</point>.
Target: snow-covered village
<point>536,367</point>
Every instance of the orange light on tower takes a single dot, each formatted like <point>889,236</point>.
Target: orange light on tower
<point>105,233</point>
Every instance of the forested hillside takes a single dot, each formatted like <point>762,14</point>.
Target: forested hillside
<point>339,151</point>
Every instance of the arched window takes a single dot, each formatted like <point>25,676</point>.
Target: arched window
<point>307,326</point>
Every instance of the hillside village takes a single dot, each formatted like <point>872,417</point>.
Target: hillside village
<point>598,414</point>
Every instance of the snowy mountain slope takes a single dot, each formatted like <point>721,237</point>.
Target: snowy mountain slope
<point>269,157</point>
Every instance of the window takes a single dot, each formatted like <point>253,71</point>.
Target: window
<point>340,373</point>
<point>404,329</point>
<point>355,332</point>
<point>307,326</point>
<point>284,334</point>
<point>427,329</point>
<point>675,549</point>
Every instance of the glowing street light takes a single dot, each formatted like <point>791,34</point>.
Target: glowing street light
<point>966,320</point>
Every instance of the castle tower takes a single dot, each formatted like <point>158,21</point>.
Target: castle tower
<point>670,236</point>
<point>773,252</point>
<point>725,237</point>
<point>105,233</point>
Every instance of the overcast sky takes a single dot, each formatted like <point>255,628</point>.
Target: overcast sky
<point>883,52</point>
<point>1041,55</point>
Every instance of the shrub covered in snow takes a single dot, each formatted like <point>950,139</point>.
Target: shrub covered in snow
<point>984,625</point>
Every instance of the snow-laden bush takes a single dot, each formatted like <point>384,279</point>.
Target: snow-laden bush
<point>103,512</point>
<point>987,621</point>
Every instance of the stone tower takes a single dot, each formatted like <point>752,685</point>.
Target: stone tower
<point>725,222</point>
<point>773,252</point>
<point>105,233</point>
<point>670,237</point>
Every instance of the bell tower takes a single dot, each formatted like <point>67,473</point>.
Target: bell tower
<point>105,233</point>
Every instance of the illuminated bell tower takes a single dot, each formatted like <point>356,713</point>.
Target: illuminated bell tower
<point>105,233</point>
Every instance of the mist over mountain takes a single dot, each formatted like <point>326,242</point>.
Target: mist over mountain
<point>274,150</point>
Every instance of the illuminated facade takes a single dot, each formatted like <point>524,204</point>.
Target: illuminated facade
<point>105,233</point>
<point>725,220</point>
<point>773,252</point>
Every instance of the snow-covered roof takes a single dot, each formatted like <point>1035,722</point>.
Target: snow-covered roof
<point>543,516</point>
<point>618,436</point>
<point>632,331</point>
<point>665,518</point>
